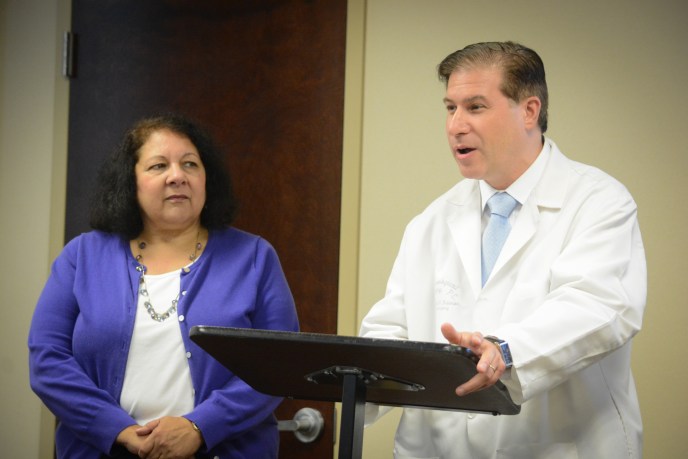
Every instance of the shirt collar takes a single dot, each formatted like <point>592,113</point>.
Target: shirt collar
<point>525,184</point>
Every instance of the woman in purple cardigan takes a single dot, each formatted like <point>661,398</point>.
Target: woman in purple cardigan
<point>110,353</point>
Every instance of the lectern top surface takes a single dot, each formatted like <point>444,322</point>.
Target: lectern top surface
<point>310,366</point>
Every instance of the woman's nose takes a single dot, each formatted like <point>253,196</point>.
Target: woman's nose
<point>176,174</point>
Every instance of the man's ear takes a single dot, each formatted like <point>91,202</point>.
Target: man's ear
<point>531,111</point>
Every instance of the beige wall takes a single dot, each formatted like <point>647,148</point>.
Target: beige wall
<point>616,71</point>
<point>33,102</point>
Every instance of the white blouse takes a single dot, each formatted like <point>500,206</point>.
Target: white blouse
<point>157,380</point>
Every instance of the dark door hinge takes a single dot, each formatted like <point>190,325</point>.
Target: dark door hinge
<point>68,39</point>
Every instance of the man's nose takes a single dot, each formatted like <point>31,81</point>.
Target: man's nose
<point>456,124</point>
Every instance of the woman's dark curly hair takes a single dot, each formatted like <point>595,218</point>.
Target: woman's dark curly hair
<point>115,208</point>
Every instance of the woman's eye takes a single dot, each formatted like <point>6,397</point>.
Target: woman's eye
<point>156,167</point>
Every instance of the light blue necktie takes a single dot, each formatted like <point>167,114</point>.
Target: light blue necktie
<point>501,205</point>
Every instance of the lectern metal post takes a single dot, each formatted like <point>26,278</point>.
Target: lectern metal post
<point>353,416</point>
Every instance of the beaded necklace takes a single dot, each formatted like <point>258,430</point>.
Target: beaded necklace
<point>143,288</point>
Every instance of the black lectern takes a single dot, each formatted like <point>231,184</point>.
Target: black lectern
<point>352,370</point>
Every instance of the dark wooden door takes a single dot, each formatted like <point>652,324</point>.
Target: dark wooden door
<point>266,77</point>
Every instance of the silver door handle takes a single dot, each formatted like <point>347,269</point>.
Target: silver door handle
<point>307,425</point>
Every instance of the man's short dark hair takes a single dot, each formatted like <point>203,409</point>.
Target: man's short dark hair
<point>523,70</point>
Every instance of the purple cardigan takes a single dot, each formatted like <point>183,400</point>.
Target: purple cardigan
<point>83,322</point>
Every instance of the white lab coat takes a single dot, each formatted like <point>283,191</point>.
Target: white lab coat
<point>567,292</point>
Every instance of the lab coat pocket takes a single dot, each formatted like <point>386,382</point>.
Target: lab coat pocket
<point>539,451</point>
<point>523,299</point>
<point>533,290</point>
<point>403,456</point>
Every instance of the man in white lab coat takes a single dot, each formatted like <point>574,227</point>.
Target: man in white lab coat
<point>555,317</point>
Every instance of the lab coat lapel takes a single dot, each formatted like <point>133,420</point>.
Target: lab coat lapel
<point>464,226</point>
<point>548,193</point>
<point>522,231</point>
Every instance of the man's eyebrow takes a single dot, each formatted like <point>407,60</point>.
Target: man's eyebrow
<point>478,98</point>
<point>467,100</point>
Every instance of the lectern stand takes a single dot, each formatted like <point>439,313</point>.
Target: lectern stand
<point>353,371</point>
